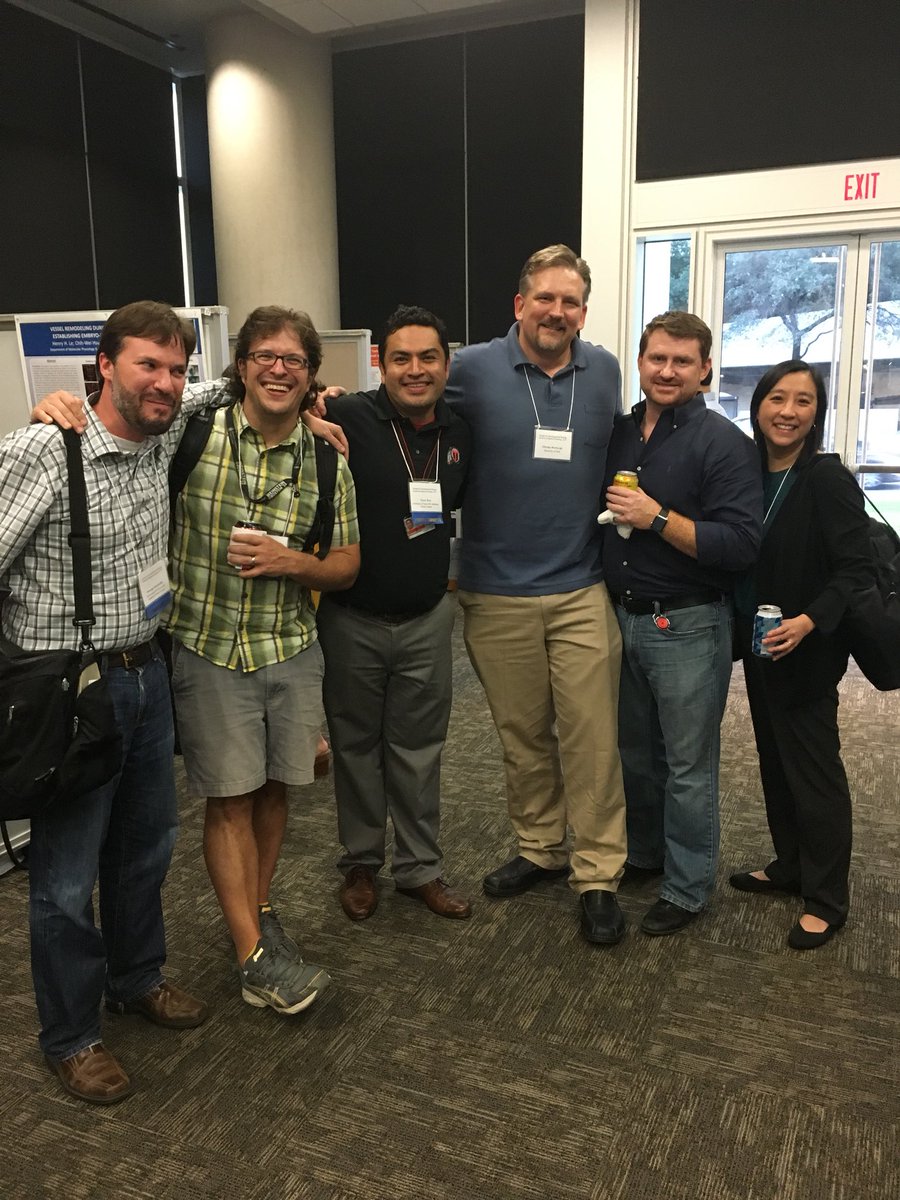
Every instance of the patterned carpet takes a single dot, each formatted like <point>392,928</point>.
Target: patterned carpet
<point>502,1058</point>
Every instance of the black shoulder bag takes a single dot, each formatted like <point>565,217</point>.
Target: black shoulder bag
<point>871,625</point>
<point>58,732</point>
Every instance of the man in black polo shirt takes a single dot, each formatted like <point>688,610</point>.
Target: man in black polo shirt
<point>697,521</point>
<point>388,665</point>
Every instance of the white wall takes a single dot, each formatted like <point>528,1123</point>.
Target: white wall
<point>14,407</point>
<point>271,149</point>
<point>616,211</point>
<point>609,89</point>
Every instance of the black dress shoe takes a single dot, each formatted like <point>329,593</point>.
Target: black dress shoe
<point>801,939</point>
<point>745,881</point>
<point>601,918</point>
<point>519,875</point>
<point>666,917</point>
<point>632,875</point>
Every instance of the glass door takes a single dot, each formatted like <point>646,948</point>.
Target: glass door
<point>878,430</point>
<point>835,303</point>
<point>780,302</point>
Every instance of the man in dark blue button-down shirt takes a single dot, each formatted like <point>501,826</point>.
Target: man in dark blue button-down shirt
<point>696,518</point>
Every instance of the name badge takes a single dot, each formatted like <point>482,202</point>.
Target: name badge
<point>425,503</point>
<point>553,443</point>
<point>155,589</point>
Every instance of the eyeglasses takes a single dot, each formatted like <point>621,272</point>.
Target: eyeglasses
<point>268,358</point>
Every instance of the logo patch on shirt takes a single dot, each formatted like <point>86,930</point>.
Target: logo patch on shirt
<point>452,455</point>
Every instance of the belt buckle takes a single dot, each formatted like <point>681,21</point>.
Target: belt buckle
<point>129,661</point>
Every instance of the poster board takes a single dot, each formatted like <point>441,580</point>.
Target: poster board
<point>58,350</point>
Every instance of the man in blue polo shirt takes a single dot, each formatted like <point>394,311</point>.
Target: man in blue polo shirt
<point>539,626</point>
<point>697,521</point>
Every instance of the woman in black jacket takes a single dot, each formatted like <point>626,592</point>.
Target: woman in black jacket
<point>814,554</point>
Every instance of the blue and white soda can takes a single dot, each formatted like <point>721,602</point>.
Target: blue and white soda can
<point>768,617</point>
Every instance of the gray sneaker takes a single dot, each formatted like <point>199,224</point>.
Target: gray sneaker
<point>272,934</point>
<point>269,978</point>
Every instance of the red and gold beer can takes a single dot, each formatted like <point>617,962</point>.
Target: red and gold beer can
<point>627,479</point>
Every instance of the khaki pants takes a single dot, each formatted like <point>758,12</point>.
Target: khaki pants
<point>546,659</point>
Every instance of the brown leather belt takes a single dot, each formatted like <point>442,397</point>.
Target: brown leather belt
<point>131,659</point>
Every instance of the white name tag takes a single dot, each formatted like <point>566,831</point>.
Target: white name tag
<point>553,443</point>
<point>425,503</point>
<point>155,589</point>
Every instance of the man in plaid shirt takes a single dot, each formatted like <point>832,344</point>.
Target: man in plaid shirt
<point>247,666</point>
<point>123,832</point>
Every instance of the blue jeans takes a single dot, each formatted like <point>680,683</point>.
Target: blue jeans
<point>123,834</point>
<point>672,696</point>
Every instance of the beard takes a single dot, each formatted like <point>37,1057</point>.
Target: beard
<point>129,405</point>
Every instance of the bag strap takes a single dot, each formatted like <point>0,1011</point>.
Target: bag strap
<point>19,862</point>
<point>870,501</point>
<point>79,538</point>
<point>322,529</point>
<point>192,444</point>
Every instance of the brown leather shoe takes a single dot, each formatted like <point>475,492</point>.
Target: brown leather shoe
<point>93,1075</point>
<point>358,894</point>
<point>167,1005</point>
<point>441,898</point>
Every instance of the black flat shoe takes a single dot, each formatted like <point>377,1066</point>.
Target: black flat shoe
<point>665,917</point>
<point>519,875</point>
<point>744,881</point>
<point>801,939</point>
<point>601,918</point>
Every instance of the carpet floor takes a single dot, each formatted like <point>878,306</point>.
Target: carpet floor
<point>501,1058</point>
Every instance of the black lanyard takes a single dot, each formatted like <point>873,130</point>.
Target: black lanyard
<point>276,488</point>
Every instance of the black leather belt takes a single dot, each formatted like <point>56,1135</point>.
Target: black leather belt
<point>397,618</point>
<point>666,603</point>
<point>131,659</point>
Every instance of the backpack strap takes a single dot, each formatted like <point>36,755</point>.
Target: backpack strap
<point>192,444</point>
<point>322,529</point>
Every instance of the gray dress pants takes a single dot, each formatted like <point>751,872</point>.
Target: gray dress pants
<point>388,690</point>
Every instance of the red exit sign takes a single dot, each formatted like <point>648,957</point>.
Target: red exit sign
<point>861,186</point>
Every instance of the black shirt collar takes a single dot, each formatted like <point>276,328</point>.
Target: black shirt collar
<point>688,411</point>
<point>387,412</point>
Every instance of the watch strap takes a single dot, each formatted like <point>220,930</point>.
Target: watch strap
<point>658,523</point>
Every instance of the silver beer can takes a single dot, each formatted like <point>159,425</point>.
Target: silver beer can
<point>768,617</point>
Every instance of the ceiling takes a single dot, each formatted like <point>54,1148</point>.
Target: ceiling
<point>169,33</point>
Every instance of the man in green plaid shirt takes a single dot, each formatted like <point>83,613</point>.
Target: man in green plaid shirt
<point>247,668</point>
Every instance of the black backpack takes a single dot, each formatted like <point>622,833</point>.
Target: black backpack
<point>871,625</point>
<point>193,441</point>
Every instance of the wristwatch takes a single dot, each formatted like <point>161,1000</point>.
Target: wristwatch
<point>658,523</point>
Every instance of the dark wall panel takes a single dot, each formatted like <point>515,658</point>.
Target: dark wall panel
<point>485,126</point>
<point>134,195</point>
<point>524,88</point>
<point>46,257</point>
<point>398,129</point>
<point>728,85</point>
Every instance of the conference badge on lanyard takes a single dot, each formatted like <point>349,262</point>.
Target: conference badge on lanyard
<point>425,503</point>
<point>155,589</point>
<point>553,443</point>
